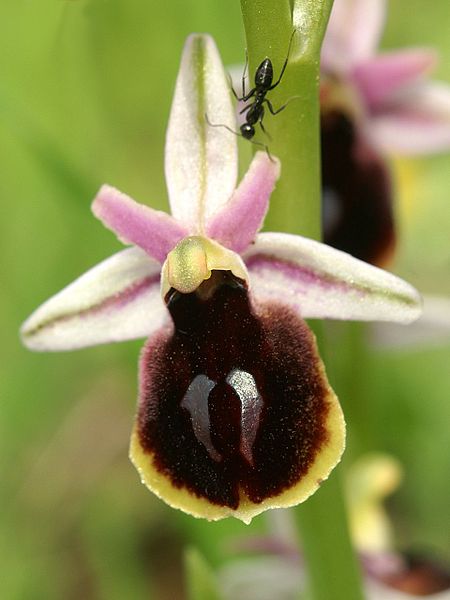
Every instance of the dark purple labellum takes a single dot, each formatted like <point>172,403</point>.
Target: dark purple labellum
<point>357,194</point>
<point>232,401</point>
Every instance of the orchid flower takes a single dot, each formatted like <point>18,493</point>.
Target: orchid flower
<point>372,104</point>
<point>235,414</point>
<point>398,109</point>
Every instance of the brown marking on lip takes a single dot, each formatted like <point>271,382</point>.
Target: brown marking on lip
<point>205,447</point>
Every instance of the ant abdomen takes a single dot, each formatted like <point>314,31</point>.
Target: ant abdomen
<point>247,131</point>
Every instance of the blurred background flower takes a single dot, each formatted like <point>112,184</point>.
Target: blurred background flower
<point>374,105</point>
<point>85,95</point>
<point>272,567</point>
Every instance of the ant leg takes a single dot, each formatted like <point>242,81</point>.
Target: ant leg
<point>245,97</point>
<point>248,96</point>
<point>230,81</point>
<point>244,73</point>
<point>262,125</point>
<point>221,125</point>
<point>275,112</point>
<point>241,112</point>
<point>264,130</point>
<point>274,85</point>
<point>266,148</point>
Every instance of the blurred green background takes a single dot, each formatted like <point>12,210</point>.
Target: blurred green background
<point>85,92</point>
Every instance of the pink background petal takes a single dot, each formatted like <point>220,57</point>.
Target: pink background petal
<point>154,231</point>
<point>237,223</point>
<point>353,33</point>
<point>379,77</point>
<point>415,122</point>
<point>410,134</point>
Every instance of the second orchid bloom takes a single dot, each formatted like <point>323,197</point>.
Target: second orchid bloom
<point>235,413</point>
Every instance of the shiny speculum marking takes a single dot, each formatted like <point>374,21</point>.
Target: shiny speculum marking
<point>232,401</point>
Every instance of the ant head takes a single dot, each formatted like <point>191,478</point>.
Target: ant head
<point>264,74</point>
<point>247,131</point>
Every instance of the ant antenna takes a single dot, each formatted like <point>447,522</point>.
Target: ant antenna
<point>283,69</point>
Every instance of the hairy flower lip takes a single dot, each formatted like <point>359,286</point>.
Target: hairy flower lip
<point>175,361</point>
<point>214,226</point>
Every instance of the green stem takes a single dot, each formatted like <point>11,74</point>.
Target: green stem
<point>333,572</point>
<point>294,131</point>
<point>332,567</point>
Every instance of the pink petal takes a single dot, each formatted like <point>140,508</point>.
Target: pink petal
<point>152,230</point>
<point>382,75</point>
<point>321,282</point>
<point>415,122</point>
<point>353,33</point>
<point>117,300</point>
<point>201,160</point>
<point>237,223</point>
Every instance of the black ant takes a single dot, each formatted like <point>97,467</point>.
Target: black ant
<point>255,110</point>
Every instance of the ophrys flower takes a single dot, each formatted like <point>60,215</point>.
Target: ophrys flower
<point>235,413</point>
